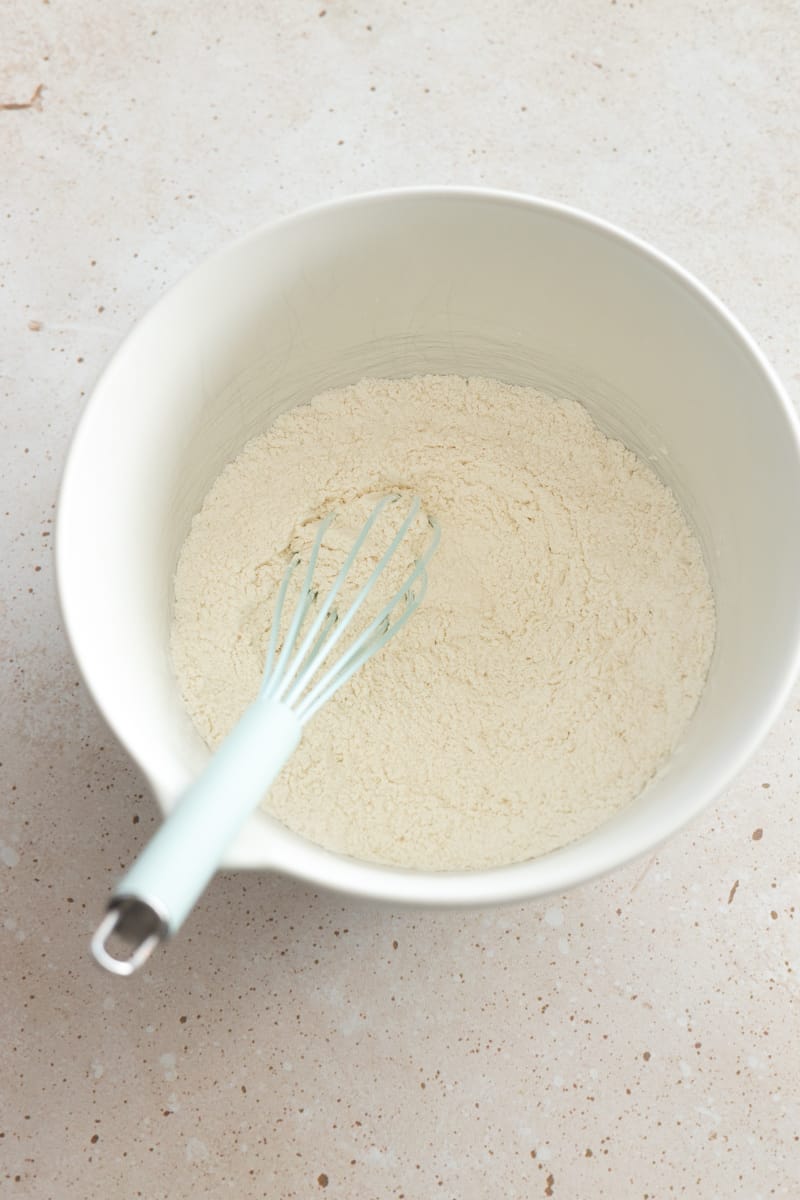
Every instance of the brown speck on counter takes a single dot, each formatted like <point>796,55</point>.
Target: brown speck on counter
<point>757,835</point>
<point>34,326</point>
<point>774,915</point>
<point>322,1180</point>
<point>732,892</point>
<point>646,1056</point>
<point>34,102</point>
<point>588,1153</point>
<point>548,1191</point>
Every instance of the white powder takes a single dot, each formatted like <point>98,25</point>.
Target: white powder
<point>552,667</point>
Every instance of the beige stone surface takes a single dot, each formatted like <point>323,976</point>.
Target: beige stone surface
<point>636,1038</point>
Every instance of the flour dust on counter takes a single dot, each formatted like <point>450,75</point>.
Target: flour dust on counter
<point>561,648</point>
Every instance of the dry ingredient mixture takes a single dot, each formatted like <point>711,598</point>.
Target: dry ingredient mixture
<point>561,648</point>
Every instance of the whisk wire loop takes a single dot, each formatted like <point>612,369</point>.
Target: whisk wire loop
<point>344,622</point>
<point>270,682</point>
<point>288,667</point>
<point>374,638</point>
<point>292,676</point>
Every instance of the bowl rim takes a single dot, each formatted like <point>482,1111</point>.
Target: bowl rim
<point>320,868</point>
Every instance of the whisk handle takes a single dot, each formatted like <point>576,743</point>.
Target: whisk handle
<point>154,897</point>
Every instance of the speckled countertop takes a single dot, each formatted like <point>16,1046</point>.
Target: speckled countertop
<point>637,1038</point>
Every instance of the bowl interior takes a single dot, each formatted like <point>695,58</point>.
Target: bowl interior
<point>434,281</point>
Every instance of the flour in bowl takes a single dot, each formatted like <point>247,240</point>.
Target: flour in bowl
<point>561,648</point>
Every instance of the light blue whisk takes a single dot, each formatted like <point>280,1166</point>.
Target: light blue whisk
<point>154,897</point>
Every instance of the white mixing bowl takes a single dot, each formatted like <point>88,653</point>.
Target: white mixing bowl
<point>402,283</point>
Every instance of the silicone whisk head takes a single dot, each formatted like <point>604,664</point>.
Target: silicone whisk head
<point>304,673</point>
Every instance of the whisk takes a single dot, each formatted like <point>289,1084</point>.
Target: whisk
<point>154,897</point>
